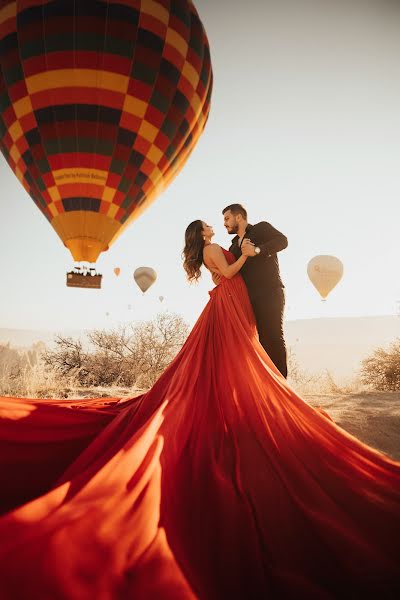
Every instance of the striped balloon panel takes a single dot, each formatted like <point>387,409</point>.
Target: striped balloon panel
<point>101,103</point>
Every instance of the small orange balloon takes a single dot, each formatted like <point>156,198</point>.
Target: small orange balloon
<point>117,271</point>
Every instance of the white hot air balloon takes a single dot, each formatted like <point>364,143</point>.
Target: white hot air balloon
<point>145,277</point>
<point>325,272</point>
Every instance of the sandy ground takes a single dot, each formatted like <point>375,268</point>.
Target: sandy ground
<point>373,417</point>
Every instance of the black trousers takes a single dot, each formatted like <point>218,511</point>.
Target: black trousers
<point>268,310</point>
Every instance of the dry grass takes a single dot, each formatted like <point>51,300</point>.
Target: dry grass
<point>35,382</point>
<point>325,382</point>
<point>41,382</point>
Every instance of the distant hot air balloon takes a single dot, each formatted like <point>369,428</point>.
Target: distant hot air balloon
<point>101,103</point>
<point>117,271</point>
<point>161,299</point>
<point>325,272</point>
<point>145,277</point>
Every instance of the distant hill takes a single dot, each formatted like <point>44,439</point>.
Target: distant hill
<point>25,338</point>
<point>336,344</point>
<point>339,344</point>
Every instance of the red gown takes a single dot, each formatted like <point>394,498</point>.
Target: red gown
<point>218,483</point>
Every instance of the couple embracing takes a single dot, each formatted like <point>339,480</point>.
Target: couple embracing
<point>254,248</point>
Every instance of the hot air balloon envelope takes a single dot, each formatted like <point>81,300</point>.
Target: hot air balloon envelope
<point>101,103</point>
<point>145,277</point>
<point>325,272</point>
<point>117,271</point>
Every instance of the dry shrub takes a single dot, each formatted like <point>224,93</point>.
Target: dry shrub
<point>133,355</point>
<point>381,370</point>
<point>116,362</point>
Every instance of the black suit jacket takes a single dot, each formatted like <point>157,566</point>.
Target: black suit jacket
<point>261,273</point>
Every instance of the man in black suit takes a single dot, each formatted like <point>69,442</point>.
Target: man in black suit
<point>262,278</point>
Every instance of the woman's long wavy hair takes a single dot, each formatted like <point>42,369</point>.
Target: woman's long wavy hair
<point>193,251</point>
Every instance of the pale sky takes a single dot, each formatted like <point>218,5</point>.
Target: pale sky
<point>304,131</point>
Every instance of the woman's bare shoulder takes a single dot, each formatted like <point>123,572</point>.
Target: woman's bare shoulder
<point>212,248</point>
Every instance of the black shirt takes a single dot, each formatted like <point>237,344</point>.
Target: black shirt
<point>261,273</point>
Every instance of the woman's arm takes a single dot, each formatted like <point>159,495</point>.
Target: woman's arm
<point>215,260</point>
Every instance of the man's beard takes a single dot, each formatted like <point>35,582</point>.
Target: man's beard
<point>233,230</point>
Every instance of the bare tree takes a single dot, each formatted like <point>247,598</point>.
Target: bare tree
<point>68,356</point>
<point>133,355</point>
<point>381,370</point>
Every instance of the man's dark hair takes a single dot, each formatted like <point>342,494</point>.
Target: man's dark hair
<point>236,209</point>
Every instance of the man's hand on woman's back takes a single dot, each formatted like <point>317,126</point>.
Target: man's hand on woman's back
<point>216,278</point>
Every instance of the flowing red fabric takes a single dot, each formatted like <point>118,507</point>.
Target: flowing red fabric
<point>220,482</point>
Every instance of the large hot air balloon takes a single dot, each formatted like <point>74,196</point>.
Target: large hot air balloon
<point>145,277</point>
<point>101,103</point>
<point>325,272</point>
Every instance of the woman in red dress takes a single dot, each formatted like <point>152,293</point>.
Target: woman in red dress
<point>219,482</point>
